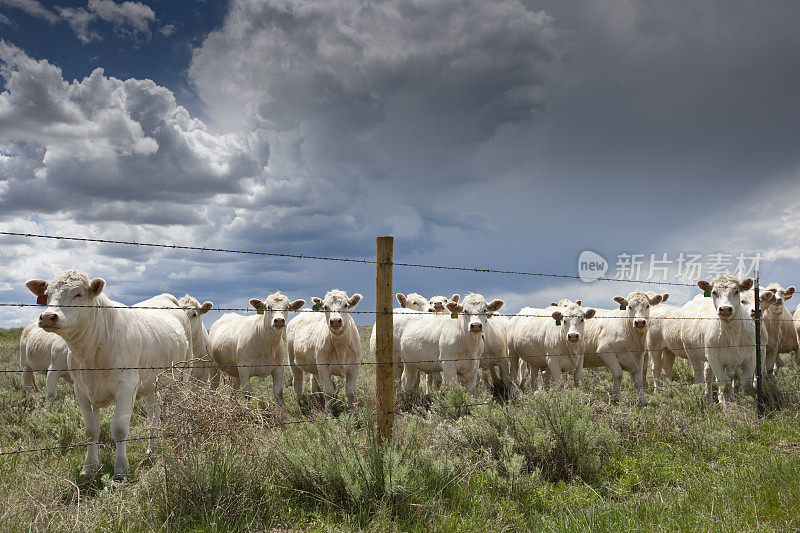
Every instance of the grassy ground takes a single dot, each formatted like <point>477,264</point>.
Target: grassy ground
<point>553,461</point>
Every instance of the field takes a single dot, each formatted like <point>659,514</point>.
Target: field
<point>553,461</point>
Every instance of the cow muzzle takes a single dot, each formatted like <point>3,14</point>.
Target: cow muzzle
<point>476,327</point>
<point>278,322</point>
<point>573,337</point>
<point>48,320</point>
<point>725,311</point>
<point>640,323</point>
<point>335,323</point>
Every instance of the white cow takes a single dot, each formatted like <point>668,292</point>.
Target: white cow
<point>723,336</point>
<point>495,359</point>
<point>109,335</point>
<point>796,318</point>
<point>202,361</point>
<point>409,305</point>
<point>47,353</point>
<point>617,339</point>
<point>433,343</point>
<point>535,336</point>
<point>439,303</point>
<point>247,346</point>
<point>326,344</point>
<point>781,334</point>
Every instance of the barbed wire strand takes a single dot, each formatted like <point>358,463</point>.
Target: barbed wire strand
<point>340,259</point>
<point>393,312</point>
<point>186,366</point>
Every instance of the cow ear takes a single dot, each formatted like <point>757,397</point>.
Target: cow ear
<point>558,315</point>
<point>655,300</point>
<point>36,286</point>
<point>588,313</point>
<point>353,301</point>
<point>297,304</point>
<point>621,300</point>
<point>773,290</point>
<point>455,297</point>
<point>787,294</point>
<point>256,303</point>
<point>766,296</point>
<point>746,284</point>
<point>664,297</point>
<point>96,286</point>
<point>317,301</point>
<point>578,302</point>
<point>205,308</point>
<point>704,285</point>
<point>401,299</point>
<point>553,304</point>
<point>453,306</point>
<point>494,306</point>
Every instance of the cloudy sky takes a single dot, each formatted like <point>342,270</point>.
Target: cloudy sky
<point>512,134</point>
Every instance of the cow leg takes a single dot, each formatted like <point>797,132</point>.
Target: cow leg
<point>637,376</point>
<point>769,361</point>
<point>697,363</point>
<point>513,363</point>
<point>351,377</point>
<point>120,426</point>
<point>277,385</point>
<point>578,372</point>
<point>616,373</point>
<point>643,366</point>
<point>28,380</point>
<point>324,379</point>
<point>748,370</point>
<point>410,378</point>
<point>534,377</point>
<point>656,362</point>
<point>52,383</point>
<point>298,381</point>
<point>719,374</point>
<point>667,363</point>
<point>91,421</point>
<point>449,373</point>
<point>243,382</point>
<point>554,366</point>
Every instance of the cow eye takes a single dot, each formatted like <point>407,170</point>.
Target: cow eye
<point>77,296</point>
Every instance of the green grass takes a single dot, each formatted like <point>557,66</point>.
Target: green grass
<point>551,461</point>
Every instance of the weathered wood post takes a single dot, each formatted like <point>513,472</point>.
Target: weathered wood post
<point>759,390</point>
<point>384,356</point>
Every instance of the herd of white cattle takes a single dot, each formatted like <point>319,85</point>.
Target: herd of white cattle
<point>113,353</point>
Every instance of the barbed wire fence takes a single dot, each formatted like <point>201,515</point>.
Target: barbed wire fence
<point>384,313</point>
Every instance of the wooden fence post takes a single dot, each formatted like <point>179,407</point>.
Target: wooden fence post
<point>384,356</point>
<point>759,390</point>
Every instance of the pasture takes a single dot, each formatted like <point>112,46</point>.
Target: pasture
<point>550,461</point>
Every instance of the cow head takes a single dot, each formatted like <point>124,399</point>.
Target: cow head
<point>475,310</point>
<point>748,302</point>
<point>439,303</point>
<point>195,311</point>
<point>638,305</point>
<point>414,301</point>
<point>69,297</point>
<point>781,296</point>
<point>573,319</point>
<point>336,307</point>
<point>726,292</point>
<point>275,307</point>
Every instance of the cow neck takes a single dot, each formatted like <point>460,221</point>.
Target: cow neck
<point>638,335</point>
<point>96,332</point>
<point>268,332</point>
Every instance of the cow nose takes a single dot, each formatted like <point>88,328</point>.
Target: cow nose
<point>476,327</point>
<point>279,322</point>
<point>336,322</point>
<point>640,323</point>
<point>48,318</point>
<point>573,337</point>
<point>725,310</point>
